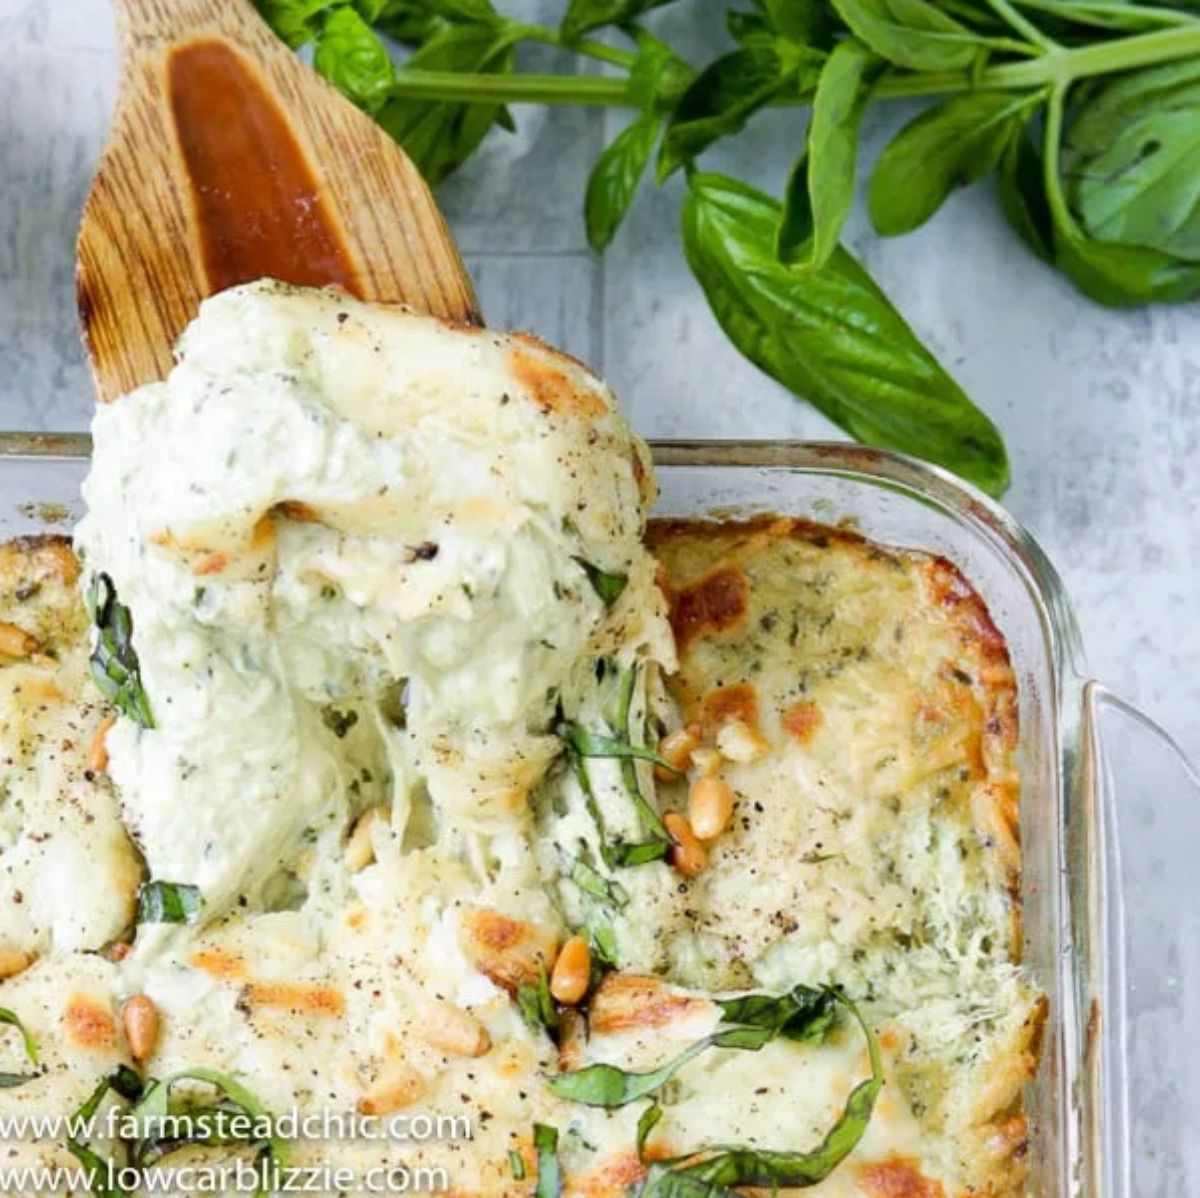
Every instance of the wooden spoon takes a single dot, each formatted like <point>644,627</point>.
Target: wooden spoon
<point>229,160</point>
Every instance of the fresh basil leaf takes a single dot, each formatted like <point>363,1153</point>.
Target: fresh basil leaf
<point>803,1013</point>
<point>648,1121</point>
<point>821,189</point>
<point>736,1166</point>
<point>804,22</point>
<point>114,661</point>
<point>536,1004</point>
<point>168,902</point>
<point>30,1045</point>
<point>719,101</point>
<point>831,336</point>
<point>440,136</point>
<point>1128,16</point>
<point>294,20</point>
<point>610,191</point>
<point>1123,275</point>
<point>1023,195</point>
<point>1132,160</point>
<point>912,33</point>
<point>583,16</point>
<point>749,28</point>
<point>950,145</point>
<point>616,854</point>
<point>610,1086</point>
<point>549,1174</point>
<point>350,55</point>
<point>658,76</point>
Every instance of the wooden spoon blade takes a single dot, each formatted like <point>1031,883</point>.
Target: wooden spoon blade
<point>230,161</point>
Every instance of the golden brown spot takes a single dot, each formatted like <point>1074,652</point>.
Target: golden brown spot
<point>218,963</point>
<point>300,998</point>
<point>508,951</point>
<point>801,720</point>
<point>624,1000</point>
<point>89,1023</point>
<point>211,563</point>
<point>729,703</point>
<point>612,1178</point>
<point>552,387</point>
<point>293,509</point>
<point>97,755</point>
<point>717,602</point>
<point>896,1177</point>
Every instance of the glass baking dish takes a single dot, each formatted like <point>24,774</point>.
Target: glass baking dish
<point>1111,913</point>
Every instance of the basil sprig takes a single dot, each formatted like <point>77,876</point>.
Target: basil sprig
<point>9,1080</point>
<point>168,902</point>
<point>722,1167</point>
<point>583,743</point>
<point>114,662</point>
<point>803,1013</point>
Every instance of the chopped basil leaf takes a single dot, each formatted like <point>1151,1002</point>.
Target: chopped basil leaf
<point>124,1082</point>
<point>536,1004</point>
<point>725,1167</point>
<point>594,884</point>
<point>608,586</point>
<point>549,1178</point>
<point>114,662</point>
<point>168,902</point>
<point>646,1124</point>
<point>209,1125</point>
<point>595,744</point>
<point>516,1164</point>
<point>11,1018</point>
<point>803,1013</point>
<point>610,1086</point>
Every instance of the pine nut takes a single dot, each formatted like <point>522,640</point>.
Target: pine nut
<point>13,962</point>
<point>360,846</point>
<point>676,748</point>
<point>572,971</point>
<point>710,804</point>
<point>97,754</point>
<point>399,1085</point>
<point>687,854</point>
<point>741,743</point>
<point>707,761</point>
<point>15,641</point>
<point>140,1017</point>
<point>452,1030</point>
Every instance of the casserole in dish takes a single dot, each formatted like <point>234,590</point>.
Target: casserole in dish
<point>1070,824</point>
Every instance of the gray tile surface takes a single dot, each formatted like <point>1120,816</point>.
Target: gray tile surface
<point>1100,409</point>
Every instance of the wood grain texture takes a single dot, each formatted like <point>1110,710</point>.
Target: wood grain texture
<point>327,197</point>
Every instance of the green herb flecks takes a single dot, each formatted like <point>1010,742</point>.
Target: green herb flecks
<point>114,662</point>
<point>168,902</point>
<point>536,1004</point>
<point>609,587</point>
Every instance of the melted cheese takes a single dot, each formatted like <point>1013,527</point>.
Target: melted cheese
<point>353,542</point>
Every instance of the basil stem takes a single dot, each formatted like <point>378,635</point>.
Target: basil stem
<point>114,662</point>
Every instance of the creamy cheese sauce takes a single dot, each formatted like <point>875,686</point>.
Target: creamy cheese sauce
<point>373,563</point>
